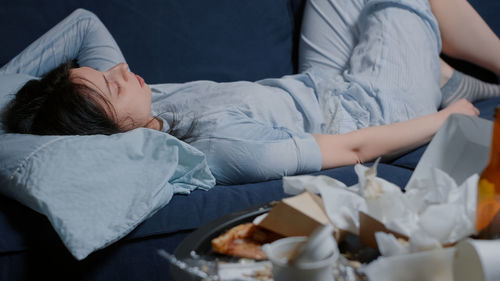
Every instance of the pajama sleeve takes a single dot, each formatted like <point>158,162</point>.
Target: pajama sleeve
<point>243,150</point>
<point>80,36</point>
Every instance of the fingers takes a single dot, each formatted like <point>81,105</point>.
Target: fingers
<point>462,106</point>
<point>476,111</point>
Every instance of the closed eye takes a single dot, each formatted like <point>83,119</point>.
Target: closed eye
<point>118,87</point>
<point>107,84</point>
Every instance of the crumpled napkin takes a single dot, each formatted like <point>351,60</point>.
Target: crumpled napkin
<point>433,212</point>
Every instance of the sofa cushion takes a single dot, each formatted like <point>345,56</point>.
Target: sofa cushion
<point>203,207</point>
<point>24,229</point>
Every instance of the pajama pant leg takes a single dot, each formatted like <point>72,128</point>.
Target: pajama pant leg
<point>396,60</point>
<point>383,69</point>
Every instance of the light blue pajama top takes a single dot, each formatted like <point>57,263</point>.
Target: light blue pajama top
<point>248,130</point>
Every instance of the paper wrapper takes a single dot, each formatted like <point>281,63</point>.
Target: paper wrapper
<point>460,149</point>
<point>437,209</point>
<point>434,265</point>
<point>429,216</point>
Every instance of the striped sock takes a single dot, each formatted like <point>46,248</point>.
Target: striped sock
<point>464,86</point>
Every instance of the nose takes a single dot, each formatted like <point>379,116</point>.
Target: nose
<point>119,70</point>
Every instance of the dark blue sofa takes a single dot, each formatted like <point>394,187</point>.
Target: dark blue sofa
<point>172,41</point>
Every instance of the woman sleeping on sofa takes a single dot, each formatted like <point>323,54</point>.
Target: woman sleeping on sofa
<point>371,84</point>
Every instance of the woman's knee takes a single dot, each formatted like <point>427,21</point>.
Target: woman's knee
<point>83,13</point>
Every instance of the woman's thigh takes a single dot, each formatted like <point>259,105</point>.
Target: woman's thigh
<point>387,72</point>
<point>396,60</point>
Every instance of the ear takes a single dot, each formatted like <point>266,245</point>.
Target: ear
<point>155,124</point>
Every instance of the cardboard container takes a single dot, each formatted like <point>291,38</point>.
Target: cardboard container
<point>368,226</point>
<point>296,216</point>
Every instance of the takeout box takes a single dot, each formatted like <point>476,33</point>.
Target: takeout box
<point>301,214</point>
<point>368,226</point>
<point>298,216</point>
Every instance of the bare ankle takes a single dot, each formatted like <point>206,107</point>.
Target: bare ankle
<point>446,73</point>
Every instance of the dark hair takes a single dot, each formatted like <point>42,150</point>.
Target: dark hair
<point>54,105</point>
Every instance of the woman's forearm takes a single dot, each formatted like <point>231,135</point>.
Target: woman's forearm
<point>369,143</point>
<point>386,140</point>
<point>397,138</point>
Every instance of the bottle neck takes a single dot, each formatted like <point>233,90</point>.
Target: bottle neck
<point>495,140</point>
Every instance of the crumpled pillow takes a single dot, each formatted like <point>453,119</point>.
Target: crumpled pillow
<point>96,189</point>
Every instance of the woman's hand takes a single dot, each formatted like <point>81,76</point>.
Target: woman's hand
<point>461,106</point>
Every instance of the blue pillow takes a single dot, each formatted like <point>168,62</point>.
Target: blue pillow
<point>96,189</point>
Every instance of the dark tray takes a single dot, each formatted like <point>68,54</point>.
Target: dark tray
<point>198,243</point>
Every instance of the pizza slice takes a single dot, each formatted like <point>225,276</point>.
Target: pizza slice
<point>244,241</point>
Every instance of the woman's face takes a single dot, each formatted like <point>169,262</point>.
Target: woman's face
<point>126,92</point>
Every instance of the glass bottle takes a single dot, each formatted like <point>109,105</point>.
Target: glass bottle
<point>488,195</point>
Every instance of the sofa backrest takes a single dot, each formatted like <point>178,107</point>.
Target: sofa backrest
<point>175,40</point>
<point>184,40</point>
